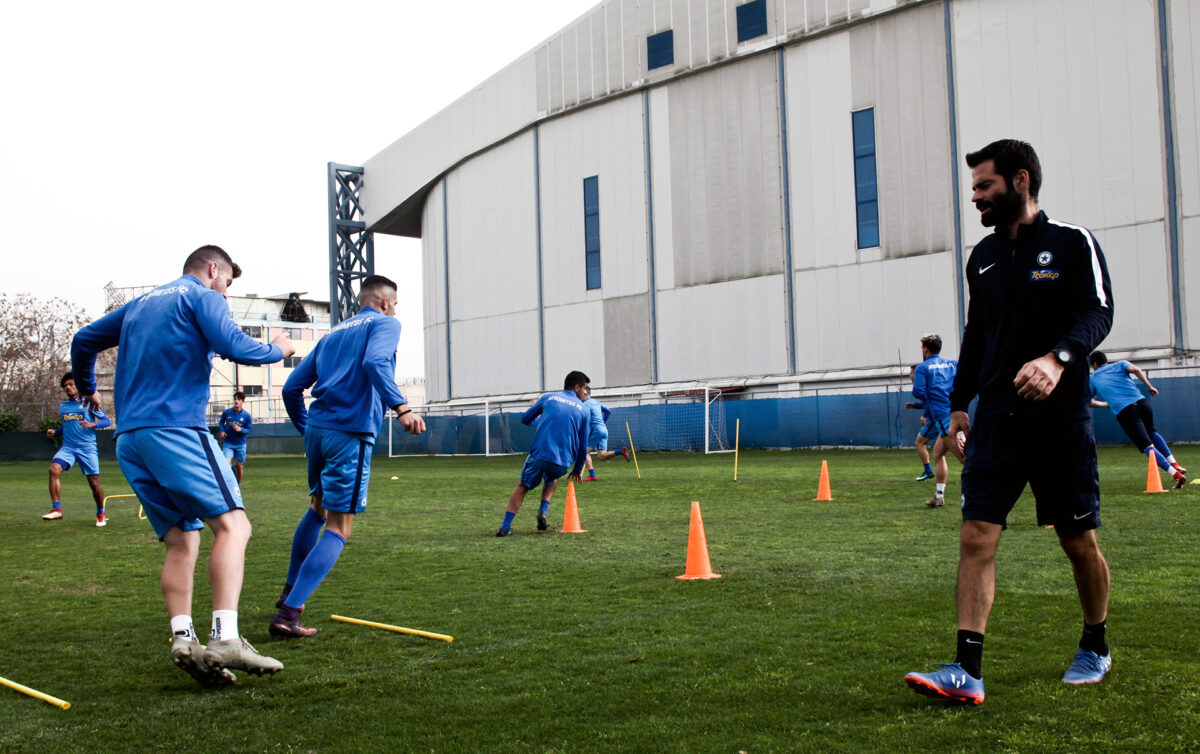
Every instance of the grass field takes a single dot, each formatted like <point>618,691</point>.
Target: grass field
<point>587,642</point>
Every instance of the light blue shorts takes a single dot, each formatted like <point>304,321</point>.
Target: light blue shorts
<point>177,476</point>
<point>234,452</point>
<point>935,427</point>
<point>339,468</point>
<point>535,471</point>
<point>87,458</point>
<point>599,438</point>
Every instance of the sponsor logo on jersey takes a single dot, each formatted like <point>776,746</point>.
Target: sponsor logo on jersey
<point>1045,258</point>
<point>1041,275</point>
<point>73,417</point>
<point>167,291</point>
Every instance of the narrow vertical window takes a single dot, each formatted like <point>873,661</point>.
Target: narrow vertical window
<point>660,49</point>
<point>751,20</point>
<point>866,193</point>
<point>591,230</point>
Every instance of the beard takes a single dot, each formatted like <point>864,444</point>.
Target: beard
<point>1005,209</point>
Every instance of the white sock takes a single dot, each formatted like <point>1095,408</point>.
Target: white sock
<point>224,625</point>
<point>181,625</point>
<point>1171,460</point>
<point>941,490</point>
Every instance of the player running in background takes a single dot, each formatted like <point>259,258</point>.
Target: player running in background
<point>599,414</point>
<point>1115,386</point>
<point>78,431</point>
<point>921,443</point>
<point>352,373</point>
<point>235,427</point>
<point>1040,301</point>
<point>560,440</point>
<point>932,381</point>
<point>167,339</point>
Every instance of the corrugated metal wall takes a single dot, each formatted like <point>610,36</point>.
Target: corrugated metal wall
<point>1184,24</point>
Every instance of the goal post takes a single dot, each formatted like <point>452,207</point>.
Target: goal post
<point>480,428</point>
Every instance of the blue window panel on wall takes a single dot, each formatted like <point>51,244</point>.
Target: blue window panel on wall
<point>751,20</point>
<point>591,231</point>
<point>660,49</point>
<point>866,190</point>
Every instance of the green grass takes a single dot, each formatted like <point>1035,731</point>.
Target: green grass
<point>587,642</point>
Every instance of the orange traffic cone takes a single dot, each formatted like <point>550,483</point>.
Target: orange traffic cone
<point>698,566</point>
<point>823,491</point>
<point>571,513</point>
<point>1153,480</point>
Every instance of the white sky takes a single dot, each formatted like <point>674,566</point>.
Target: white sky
<point>133,132</point>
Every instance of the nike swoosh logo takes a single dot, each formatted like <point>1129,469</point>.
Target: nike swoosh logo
<point>985,269</point>
<point>973,642</point>
<point>1080,518</point>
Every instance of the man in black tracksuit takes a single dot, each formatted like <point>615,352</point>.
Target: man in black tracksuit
<point>1040,302</point>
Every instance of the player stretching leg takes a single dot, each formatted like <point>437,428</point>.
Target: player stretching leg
<point>79,424</point>
<point>599,438</point>
<point>559,441</point>
<point>352,373</point>
<point>167,338</point>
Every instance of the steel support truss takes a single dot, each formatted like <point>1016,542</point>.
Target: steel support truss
<point>351,245</point>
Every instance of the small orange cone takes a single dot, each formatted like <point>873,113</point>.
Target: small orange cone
<point>571,513</point>
<point>698,566</point>
<point>1153,480</point>
<point>823,491</point>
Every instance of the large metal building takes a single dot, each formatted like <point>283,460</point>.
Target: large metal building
<point>669,191</point>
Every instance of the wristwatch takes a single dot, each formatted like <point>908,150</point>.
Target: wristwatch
<point>1063,356</point>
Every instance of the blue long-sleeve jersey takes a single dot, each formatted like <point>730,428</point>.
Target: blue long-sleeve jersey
<point>167,337</point>
<point>352,372</point>
<point>242,418</point>
<point>599,412</point>
<point>933,380</point>
<point>561,435</point>
<point>73,433</point>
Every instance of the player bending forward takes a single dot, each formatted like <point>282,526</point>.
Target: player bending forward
<point>559,441</point>
<point>1114,386</point>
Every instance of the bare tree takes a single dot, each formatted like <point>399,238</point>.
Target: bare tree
<point>35,348</point>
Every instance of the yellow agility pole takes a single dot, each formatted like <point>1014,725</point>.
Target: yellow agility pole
<point>35,694</point>
<point>737,434</point>
<point>397,629</point>
<point>141,512</point>
<point>632,452</point>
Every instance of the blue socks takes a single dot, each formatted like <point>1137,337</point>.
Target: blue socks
<point>303,541</point>
<point>1158,458</point>
<point>57,505</point>
<point>545,508</point>
<point>928,469</point>
<point>508,519</point>
<point>1160,444</point>
<point>316,567</point>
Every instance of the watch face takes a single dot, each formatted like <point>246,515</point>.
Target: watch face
<point>1063,356</point>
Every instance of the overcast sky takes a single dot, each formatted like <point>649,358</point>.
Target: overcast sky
<point>133,132</point>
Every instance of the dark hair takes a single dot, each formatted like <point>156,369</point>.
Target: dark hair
<point>933,342</point>
<point>65,377</point>
<point>239,395</point>
<point>206,255</point>
<point>373,286</point>
<point>1010,156</point>
<point>1098,359</point>
<point>575,378</point>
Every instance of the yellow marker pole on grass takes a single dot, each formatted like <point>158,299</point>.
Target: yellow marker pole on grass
<point>737,434</point>
<point>141,512</point>
<point>35,694</point>
<point>387,627</point>
<point>632,452</point>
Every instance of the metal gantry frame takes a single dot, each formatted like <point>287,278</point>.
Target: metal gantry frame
<point>351,245</point>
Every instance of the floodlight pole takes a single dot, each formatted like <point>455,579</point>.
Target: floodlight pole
<point>351,245</point>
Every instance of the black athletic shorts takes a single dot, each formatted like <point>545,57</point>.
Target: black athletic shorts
<point>1057,459</point>
<point>1138,422</point>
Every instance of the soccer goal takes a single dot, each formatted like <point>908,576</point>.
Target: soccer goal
<point>691,419</point>
<point>485,428</point>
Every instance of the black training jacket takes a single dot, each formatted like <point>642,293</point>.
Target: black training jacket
<point>1044,290</point>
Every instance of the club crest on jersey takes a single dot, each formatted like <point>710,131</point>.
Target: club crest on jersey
<point>1043,275</point>
<point>1045,258</point>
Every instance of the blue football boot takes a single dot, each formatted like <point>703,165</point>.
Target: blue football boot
<point>1088,667</point>
<point>949,682</point>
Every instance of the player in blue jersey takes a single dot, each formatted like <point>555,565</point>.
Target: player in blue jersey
<point>235,426</point>
<point>933,379</point>
<point>78,430</point>
<point>921,443</point>
<point>352,373</point>
<point>167,339</point>
<point>598,439</point>
<point>1116,388</point>
<point>560,441</point>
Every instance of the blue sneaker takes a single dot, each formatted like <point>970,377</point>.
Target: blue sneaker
<point>924,475</point>
<point>949,682</point>
<point>1088,667</point>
